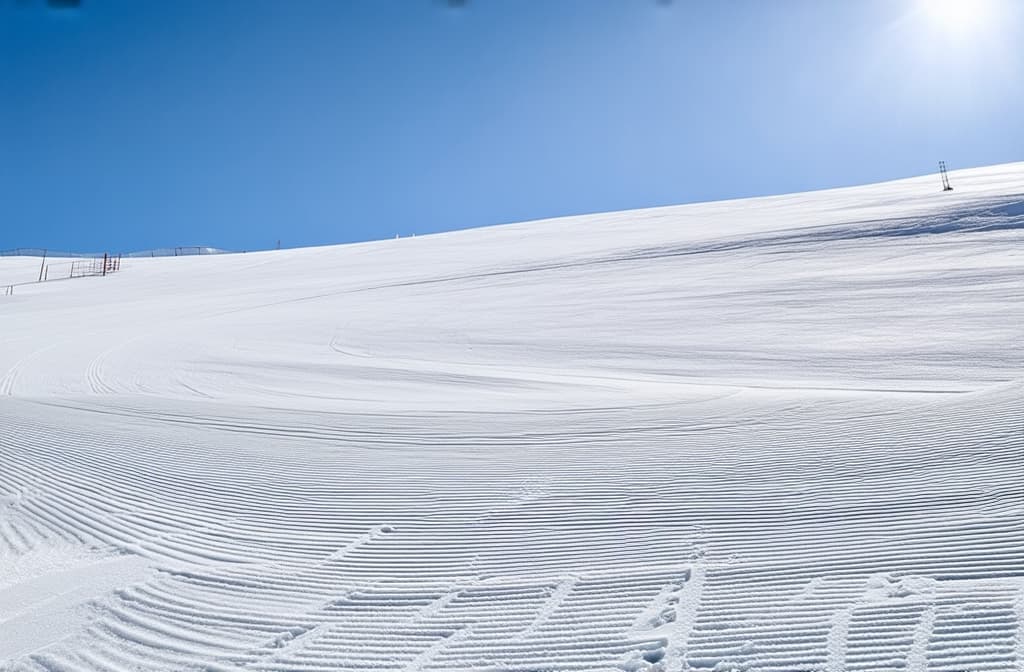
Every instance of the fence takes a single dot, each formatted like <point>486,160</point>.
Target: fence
<point>79,265</point>
<point>66,270</point>
<point>41,252</point>
<point>83,268</point>
<point>180,251</point>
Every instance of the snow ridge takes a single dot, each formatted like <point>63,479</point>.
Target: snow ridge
<point>768,435</point>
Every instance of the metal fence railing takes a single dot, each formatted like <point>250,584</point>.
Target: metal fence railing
<point>180,251</point>
<point>68,269</point>
<point>41,252</point>
<point>79,265</point>
<point>83,268</point>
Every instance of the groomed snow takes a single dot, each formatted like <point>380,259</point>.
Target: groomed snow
<point>780,434</point>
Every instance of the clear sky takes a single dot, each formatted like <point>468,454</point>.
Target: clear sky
<point>128,124</point>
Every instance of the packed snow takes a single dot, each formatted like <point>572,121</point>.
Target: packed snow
<point>779,433</point>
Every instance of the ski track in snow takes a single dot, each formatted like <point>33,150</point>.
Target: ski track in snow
<point>775,434</point>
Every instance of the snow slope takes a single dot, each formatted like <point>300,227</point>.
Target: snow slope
<point>782,434</point>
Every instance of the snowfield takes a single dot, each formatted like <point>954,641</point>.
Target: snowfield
<point>780,433</point>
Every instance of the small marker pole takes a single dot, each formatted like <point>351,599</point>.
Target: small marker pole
<point>945,176</point>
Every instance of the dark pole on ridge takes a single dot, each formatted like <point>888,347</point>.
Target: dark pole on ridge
<point>945,176</point>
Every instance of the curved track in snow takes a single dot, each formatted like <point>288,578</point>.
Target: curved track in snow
<point>779,434</point>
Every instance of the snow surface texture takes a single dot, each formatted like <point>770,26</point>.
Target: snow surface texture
<point>772,434</point>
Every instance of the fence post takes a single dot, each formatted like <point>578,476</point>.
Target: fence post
<point>41,264</point>
<point>104,263</point>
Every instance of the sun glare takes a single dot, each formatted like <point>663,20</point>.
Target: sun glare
<point>958,17</point>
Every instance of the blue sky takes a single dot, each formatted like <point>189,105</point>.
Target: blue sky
<point>129,125</point>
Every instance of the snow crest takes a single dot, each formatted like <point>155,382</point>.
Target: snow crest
<point>766,435</point>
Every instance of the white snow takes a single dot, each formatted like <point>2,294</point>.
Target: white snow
<point>781,434</point>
